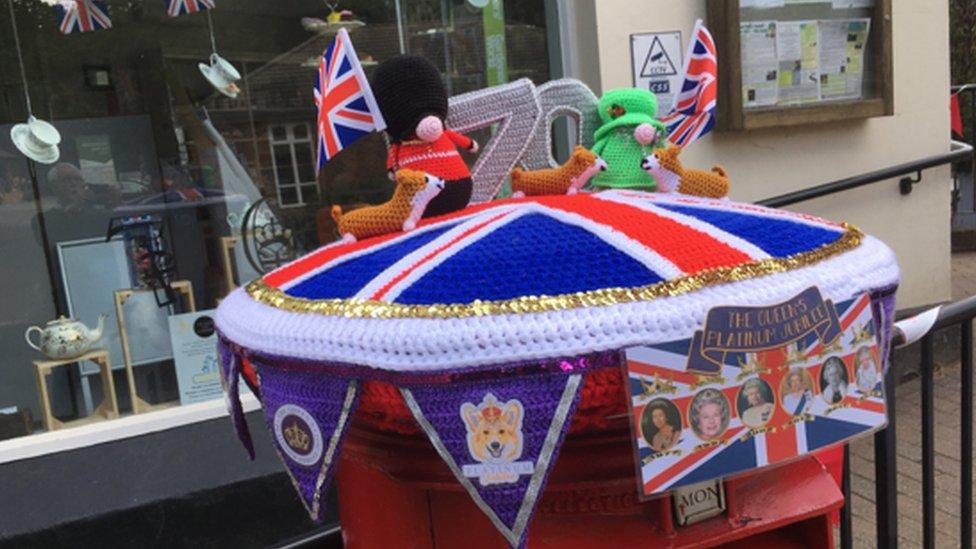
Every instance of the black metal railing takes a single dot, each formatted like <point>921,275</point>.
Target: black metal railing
<point>961,314</point>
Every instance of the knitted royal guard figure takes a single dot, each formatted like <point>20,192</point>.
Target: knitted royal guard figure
<point>413,101</point>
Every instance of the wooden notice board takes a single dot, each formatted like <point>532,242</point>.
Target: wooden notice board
<point>798,62</point>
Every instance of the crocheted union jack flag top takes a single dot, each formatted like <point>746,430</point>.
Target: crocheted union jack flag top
<point>531,279</point>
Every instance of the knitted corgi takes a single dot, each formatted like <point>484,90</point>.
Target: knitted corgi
<point>566,179</point>
<point>413,101</point>
<point>672,177</point>
<point>413,193</point>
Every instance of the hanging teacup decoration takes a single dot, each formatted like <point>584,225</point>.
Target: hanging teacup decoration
<point>37,140</point>
<point>219,72</point>
<point>222,75</point>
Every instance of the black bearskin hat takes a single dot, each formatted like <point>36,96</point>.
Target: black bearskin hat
<point>408,88</point>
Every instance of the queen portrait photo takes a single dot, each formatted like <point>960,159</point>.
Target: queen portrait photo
<point>755,402</point>
<point>709,414</point>
<point>661,424</point>
<point>833,380</point>
<point>867,370</point>
<point>796,391</point>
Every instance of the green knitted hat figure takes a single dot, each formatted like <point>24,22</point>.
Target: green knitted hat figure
<point>629,131</point>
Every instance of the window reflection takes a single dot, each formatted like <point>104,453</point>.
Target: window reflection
<point>144,134</point>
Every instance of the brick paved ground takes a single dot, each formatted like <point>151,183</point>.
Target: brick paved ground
<point>947,402</point>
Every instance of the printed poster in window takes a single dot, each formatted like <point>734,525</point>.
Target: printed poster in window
<point>759,65</point>
<point>798,56</point>
<point>842,46</point>
<point>95,159</point>
<point>195,356</point>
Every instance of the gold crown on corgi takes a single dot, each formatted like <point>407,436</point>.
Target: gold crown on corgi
<point>671,176</point>
<point>414,190</point>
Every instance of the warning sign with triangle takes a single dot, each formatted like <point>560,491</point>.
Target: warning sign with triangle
<point>657,62</point>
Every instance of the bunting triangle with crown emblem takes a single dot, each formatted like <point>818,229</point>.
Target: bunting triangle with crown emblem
<point>500,438</point>
<point>307,414</point>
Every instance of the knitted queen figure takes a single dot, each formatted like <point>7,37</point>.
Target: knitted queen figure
<point>628,132</point>
<point>413,101</point>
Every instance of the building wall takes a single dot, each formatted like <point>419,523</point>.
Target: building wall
<point>770,162</point>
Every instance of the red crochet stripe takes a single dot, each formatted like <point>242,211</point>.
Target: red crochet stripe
<point>602,395</point>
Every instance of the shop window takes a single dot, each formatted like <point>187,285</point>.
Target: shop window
<point>294,171</point>
<point>144,132</point>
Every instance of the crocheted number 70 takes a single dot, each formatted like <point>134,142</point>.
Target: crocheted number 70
<point>515,109</point>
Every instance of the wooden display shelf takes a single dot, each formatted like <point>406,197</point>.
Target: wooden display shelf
<point>140,405</point>
<point>108,409</point>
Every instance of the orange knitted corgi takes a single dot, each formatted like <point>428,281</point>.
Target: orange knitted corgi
<point>566,179</point>
<point>413,191</point>
<point>671,176</point>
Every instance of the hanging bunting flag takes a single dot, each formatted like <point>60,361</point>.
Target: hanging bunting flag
<point>307,414</point>
<point>695,106</point>
<point>500,437</point>
<point>230,376</point>
<point>176,8</point>
<point>346,107</point>
<point>82,16</point>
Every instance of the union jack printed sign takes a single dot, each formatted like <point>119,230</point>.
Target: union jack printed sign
<point>82,16</point>
<point>175,8</point>
<point>788,385</point>
<point>695,105</point>
<point>346,107</point>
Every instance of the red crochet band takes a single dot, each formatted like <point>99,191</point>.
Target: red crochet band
<point>602,395</point>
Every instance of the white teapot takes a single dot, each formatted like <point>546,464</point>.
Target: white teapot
<point>65,338</point>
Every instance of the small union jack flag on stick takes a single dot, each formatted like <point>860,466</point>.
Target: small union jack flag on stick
<point>82,16</point>
<point>347,109</point>
<point>176,8</point>
<point>694,112</point>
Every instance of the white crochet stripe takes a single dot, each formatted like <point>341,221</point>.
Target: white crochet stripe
<point>370,249</point>
<point>647,257</point>
<point>421,344</point>
<point>801,437</point>
<point>727,205</point>
<point>762,455</point>
<point>415,259</point>
<point>426,156</point>
<point>729,239</point>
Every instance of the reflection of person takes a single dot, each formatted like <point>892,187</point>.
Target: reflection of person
<point>661,425</point>
<point>709,414</point>
<point>797,395</point>
<point>867,372</point>
<point>757,397</point>
<point>833,380</point>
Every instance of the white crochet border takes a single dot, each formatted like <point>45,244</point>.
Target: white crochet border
<point>415,344</point>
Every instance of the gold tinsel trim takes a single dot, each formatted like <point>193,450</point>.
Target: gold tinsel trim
<point>364,308</point>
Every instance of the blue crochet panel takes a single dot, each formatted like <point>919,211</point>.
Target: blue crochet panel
<point>555,248</point>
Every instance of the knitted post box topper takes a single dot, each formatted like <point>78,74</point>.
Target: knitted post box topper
<point>566,179</point>
<point>413,101</point>
<point>672,177</point>
<point>413,193</point>
<point>628,133</point>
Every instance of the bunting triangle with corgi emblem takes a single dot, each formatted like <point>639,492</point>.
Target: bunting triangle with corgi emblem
<point>307,414</point>
<point>500,438</point>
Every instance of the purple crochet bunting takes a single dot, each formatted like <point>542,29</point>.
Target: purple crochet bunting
<point>307,415</point>
<point>230,376</point>
<point>500,438</point>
